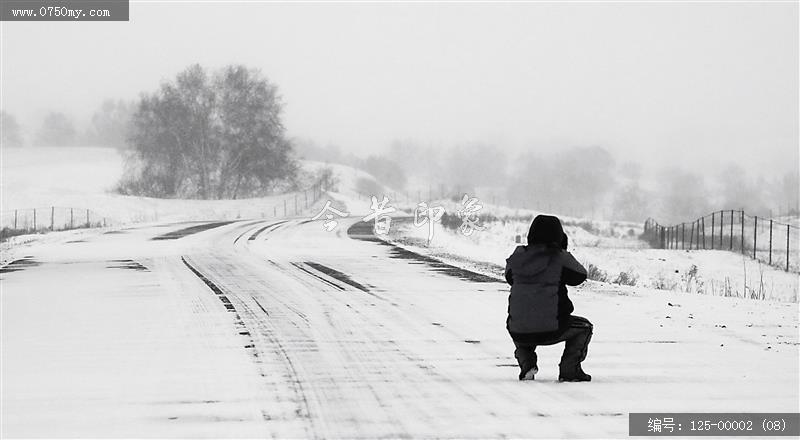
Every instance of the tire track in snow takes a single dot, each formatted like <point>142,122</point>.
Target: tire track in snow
<point>359,352</point>
<point>437,383</point>
<point>310,273</point>
<point>180,233</point>
<point>271,227</point>
<point>354,381</point>
<point>303,410</point>
<point>337,275</point>
<point>20,264</point>
<point>247,231</point>
<point>374,370</point>
<point>363,231</point>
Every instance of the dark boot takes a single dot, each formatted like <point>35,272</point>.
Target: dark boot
<point>527,359</point>
<point>577,375</point>
<point>528,374</point>
<point>575,350</point>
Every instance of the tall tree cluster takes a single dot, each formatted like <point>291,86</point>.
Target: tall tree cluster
<point>576,180</point>
<point>10,132</point>
<point>210,135</point>
<point>57,130</point>
<point>109,127</point>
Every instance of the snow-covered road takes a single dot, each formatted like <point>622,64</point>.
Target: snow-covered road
<point>283,329</point>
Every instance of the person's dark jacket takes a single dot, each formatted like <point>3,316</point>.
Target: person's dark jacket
<point>538,306</point>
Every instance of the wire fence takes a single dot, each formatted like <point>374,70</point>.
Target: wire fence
<point>52,218</point>
<point>56,218</point>
<point>776,243</point>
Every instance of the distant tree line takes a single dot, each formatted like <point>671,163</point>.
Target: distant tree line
<point>10,132</point>
<point>108,128</point>
<point>580,180</point>
<point>202,135</point>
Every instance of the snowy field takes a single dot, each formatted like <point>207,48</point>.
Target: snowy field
<point>256,329</point>
<point>85,177</point>
<point>613,250</point>
<point>277,327</point>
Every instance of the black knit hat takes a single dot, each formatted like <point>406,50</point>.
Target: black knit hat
<point>545,229</point>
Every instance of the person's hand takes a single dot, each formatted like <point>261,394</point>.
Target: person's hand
<point>564,241</point>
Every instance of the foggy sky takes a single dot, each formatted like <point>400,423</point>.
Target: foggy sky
<point>665,83</point>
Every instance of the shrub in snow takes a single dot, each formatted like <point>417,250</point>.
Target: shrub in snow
<point>594,273</point>
<point>626,279</point>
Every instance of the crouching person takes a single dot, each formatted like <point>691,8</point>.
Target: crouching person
<point>539,310</point>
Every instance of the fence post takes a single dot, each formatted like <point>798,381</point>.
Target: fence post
<point>15,219</point>
<point>787,248</point>
<point>659,236</point>
<point>703,228</point>
<point>284,207</point>
<point>721,226</point>
<point>713,228</point>
<point>663,237</point>
<point>691,236</point>
<point>683,235</point>
<point>742,230</point>
<point>305,195</point>
<point>87,218</point>
<point>52,217</point>
<point>755,235</point>
<point>295,204</point>
<point>731,230</point>
<point>34,219</point>
<point>697,234</point>
<point>770,242</point>
<point>71,218</point>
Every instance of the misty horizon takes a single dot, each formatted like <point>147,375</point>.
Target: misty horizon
<point>686,85</point>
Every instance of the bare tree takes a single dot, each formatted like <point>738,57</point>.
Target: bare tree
<point>789,192</point>
<point>210,136</point>
<point>585,175</point>
<point>57,130</point>
<point>10,131</point>
<point>631,202</point>
<point>422,161</point>
<point>476,164</point>
<point>110,123</point>
<point>255,151</point>
<point>575,180</point>
<point>387,171</point>
<point>532,182</point>
<point>683,196</point>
